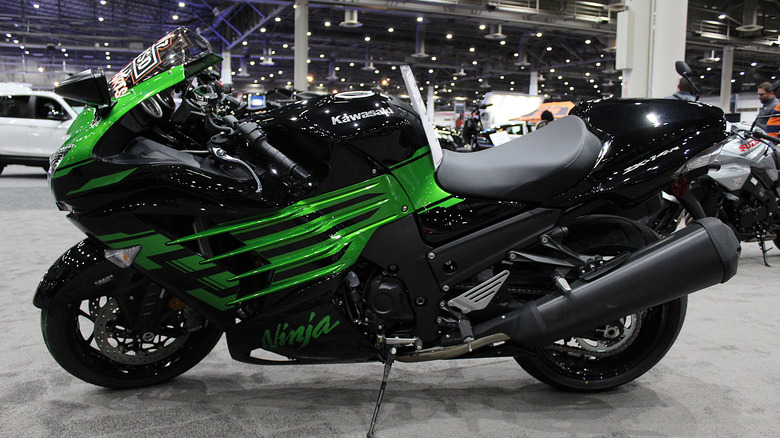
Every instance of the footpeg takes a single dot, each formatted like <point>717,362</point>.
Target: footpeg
<point>478,297</point>
<point>562,284</point>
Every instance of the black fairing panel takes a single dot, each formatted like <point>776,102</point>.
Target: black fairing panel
<point>645,142</point>
<point>308,324</point>
<point>442,224</point>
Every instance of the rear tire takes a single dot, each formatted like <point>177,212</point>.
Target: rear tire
<point>90,337</point>
<point>617,353</point>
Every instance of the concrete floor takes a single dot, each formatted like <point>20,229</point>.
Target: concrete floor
<point>719,380</point>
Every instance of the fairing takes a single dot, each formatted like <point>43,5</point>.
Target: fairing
<point>642,156</point>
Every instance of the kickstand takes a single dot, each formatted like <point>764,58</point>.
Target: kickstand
<point>762,244</point>
<point>388,364</point>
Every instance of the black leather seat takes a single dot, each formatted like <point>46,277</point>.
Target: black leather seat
<point>531,168</point>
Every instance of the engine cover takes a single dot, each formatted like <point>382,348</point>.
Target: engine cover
<point>387,298</point>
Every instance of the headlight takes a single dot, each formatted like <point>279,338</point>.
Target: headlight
<point>56,158</point>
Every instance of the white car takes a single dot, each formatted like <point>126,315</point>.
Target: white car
<point>33,124</point>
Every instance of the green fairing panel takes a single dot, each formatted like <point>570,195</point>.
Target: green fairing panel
<point>418,178</point>
<point>341,235</point>
<point>86,130</point>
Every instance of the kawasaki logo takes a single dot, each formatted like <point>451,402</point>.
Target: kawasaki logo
<point>344,118</point>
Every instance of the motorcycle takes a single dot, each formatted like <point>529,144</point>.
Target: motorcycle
<point>335,229</point>
<point>741,188</point>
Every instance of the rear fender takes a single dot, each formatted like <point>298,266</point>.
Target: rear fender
<point>81,272</point>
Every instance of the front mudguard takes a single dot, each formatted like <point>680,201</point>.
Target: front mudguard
<point>79,273</point>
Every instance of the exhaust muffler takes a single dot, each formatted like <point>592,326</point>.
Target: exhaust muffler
<point>703,254</point>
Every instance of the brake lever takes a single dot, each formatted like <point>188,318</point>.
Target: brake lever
<point>216,149</point>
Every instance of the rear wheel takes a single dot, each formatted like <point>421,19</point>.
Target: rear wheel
<point>93,339</point>
<point>616,353</point>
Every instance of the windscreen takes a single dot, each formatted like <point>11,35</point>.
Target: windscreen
<point>176,48</point>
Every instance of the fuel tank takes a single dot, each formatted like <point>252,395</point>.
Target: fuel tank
<point>645,142</point>
<point>381,127</point>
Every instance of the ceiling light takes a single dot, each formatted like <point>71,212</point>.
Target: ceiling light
<point>587,41</point>
<point>350,19</point>
<point>390,29</point>
<point>449,36</point>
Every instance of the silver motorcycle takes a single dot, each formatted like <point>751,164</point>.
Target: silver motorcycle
<point>740,187</point>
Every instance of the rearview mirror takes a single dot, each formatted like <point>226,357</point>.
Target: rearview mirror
<point>89,86</point>
<point>683,69</point>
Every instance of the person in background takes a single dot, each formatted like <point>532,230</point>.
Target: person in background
<point>684,91</point>
<point>547,117</point>
<point>773,124</point>
<point>768,102</point>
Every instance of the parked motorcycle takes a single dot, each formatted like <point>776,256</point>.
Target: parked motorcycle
<point>335,229</point>
<point>741,188</point>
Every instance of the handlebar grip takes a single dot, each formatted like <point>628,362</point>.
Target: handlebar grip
<point>761,135</point>
<point>258,143</point>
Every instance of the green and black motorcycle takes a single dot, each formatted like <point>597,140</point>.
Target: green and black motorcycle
<point>335,229</point>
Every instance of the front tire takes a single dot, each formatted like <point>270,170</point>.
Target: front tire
<point>617,353</point>
<point>91,338</point>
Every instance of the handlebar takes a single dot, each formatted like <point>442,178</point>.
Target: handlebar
<point>767,137</point>
<point>258,143</point>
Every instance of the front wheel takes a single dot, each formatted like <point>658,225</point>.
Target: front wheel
<point>93,339</point>
<point>616,353</point>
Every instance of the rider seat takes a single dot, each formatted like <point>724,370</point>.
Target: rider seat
<point>532,168</point>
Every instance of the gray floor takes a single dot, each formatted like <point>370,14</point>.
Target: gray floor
<point>719,380</point>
